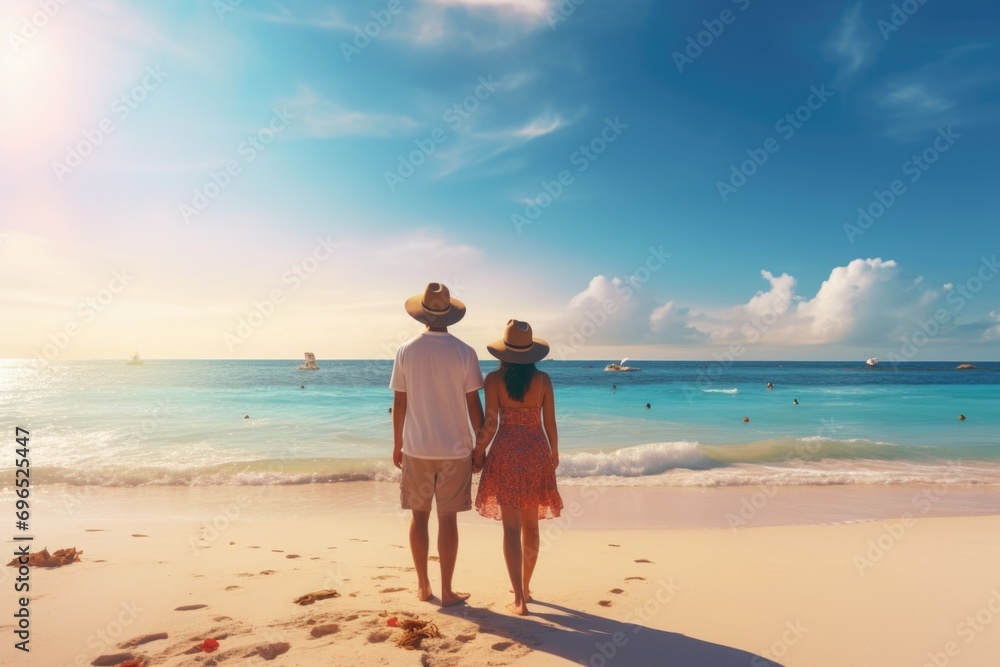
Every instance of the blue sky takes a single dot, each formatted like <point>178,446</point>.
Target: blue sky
<point>244,180</point>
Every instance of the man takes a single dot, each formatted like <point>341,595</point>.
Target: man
<point>436,412</point>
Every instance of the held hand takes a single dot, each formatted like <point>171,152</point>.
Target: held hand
<point>478,461</point>
<point>397,457</point>
<point>555,460</point>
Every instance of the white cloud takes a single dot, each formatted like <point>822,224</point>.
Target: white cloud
<point>868,302</point>
<point>473,146</point>
<point>318,117</point>
<point>851,45</point>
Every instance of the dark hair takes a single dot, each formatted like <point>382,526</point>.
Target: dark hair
<point>517,378</point>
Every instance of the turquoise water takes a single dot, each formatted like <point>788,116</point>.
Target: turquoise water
<point>181,422</point>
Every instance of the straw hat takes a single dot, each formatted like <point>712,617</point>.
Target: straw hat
<point>518,346</point>
<point>435,307</point>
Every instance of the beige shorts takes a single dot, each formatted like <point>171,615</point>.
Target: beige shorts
<point>447,480</point>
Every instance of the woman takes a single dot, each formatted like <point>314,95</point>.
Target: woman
<point>518,484</point>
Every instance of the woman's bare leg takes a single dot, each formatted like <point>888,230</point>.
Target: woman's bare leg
<point>512,556</point>
<point>529,548</point>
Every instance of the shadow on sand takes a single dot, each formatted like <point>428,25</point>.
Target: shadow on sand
<point>596,641</point>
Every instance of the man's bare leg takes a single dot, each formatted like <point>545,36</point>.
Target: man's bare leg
<point>530,541</point>
<point>448,552</point>
<point>419,545</point>
<point>512,556</point>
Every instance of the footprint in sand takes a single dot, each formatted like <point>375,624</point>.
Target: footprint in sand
<point>220,619</point>
<point>385,576</point>
<point>324,630</point>
<point>643,560</point>
<point>142,639</point>
<point>267,571</point>
<point>253,547</point>
<point>434,558</point>
<point>378,636</point>
<point>392,590</point>
<point>232,588</point>
<point>614,545</point>
<point>464,638</point>
<point>111,659</point>
<point>355,539</point>
<point>616,591</point>
<point>292,556</point>
<point>139,535</point>
<point>94,530</point>
<point>634,578</point>
<point>269,651</point>
<point>502,646</point>
<point>99,561</point>
<point>278,551</point>
<point>310,598</point>
<point>604,603</point>
<point>190,607</point>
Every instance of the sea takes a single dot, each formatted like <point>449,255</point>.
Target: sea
<point>672,423</point>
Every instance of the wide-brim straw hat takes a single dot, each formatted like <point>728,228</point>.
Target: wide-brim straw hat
<point>435,307</point>
<point>518,346</point>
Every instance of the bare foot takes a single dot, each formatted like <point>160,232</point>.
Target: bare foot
<point>451,599</point>
<point>424,592</point>
<point>521,609</point>
<point>527,595</point>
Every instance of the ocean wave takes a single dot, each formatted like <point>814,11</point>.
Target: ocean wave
<point>734,390</point>
<point>781,461</point>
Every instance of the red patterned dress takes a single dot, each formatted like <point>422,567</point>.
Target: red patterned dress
<point>518,471</point>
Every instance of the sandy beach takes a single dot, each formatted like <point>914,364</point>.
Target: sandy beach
<point>165,568</point>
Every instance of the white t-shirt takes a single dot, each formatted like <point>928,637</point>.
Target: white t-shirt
<point>436,371</point>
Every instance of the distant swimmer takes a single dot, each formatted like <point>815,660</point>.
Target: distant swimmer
<point>390,409</point>
<point>795,401</point>
<point>614,386</point>
<point>961,418</point>
<point>746,419</point>
<point>770,386</point>
<point>246,416</point>
<point>648,406</point>
<point>302,386</point>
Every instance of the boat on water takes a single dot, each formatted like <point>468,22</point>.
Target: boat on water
<point>135,360</point>
<point>620,366</point>
<point>871,363</point>
<point>310,363</point>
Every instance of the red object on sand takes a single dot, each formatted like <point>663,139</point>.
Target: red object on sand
<point>391,622</point>
<point>208,645</point>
